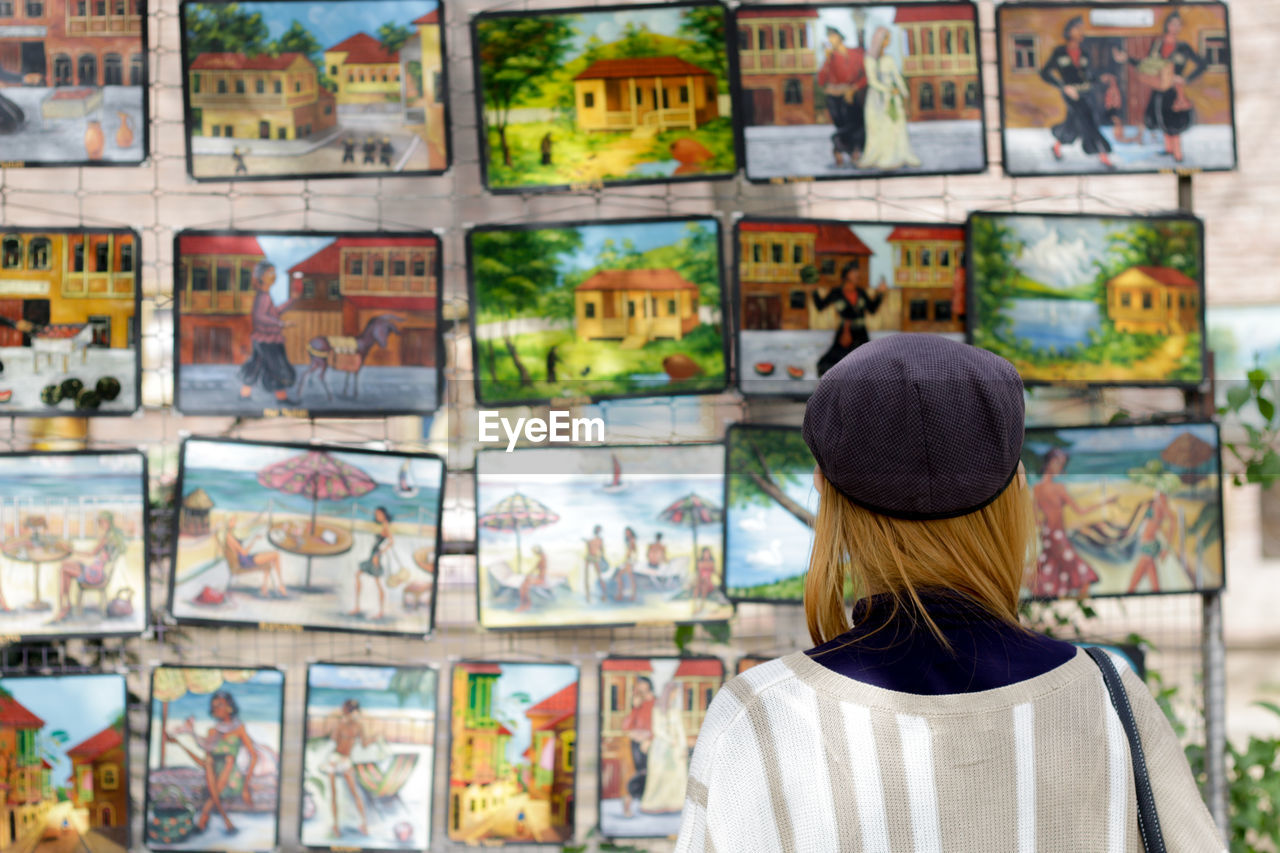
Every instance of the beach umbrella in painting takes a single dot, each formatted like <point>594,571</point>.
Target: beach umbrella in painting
<point>516,512</point>
<point>171,683</point>
<point>1188,453</point>
<point>692,511</point>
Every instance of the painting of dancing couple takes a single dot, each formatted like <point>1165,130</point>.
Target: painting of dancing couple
<point>307,536</point>
<point>600,536</point>
<point>1090,88</point>
<point>860,90</point>
<point>368,757</point>
<point>1125,510</point>
<point>72,544</point>
<point>651,710</point>
<point>213,760</point>
<point>305,323</point>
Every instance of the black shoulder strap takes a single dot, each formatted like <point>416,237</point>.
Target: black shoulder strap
<point>1148,821</point>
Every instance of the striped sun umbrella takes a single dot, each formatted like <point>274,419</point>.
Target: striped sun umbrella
<point>691,511</point>
<point>516,512</point>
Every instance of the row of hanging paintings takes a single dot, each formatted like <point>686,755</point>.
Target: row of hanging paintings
<point>629,94</point>
<point>343,324</point>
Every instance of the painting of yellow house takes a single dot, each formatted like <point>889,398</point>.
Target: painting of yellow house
<point>258,97</point>
<point>635,306</point>
<point>1154,301</point>
<point>363,70</point>
<point>660,92</point>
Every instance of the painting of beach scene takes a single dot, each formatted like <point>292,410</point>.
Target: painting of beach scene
<point>600,536</point>
<point>1101,88</point>
<point>651,710</point>
<point>368,757</point>
<point>860,90</point>
<point>810,291</point>
<point>314,88</point>
<point>1090,299</point>
<point>603,95</point>
<point>1124,510</point>
<point>73,557</point>
<point>213,759</point>
<point>308,536</point>
<point>300,323</point>
<point>513,750</point>
<point>623,308</point>
<point>64,757</point>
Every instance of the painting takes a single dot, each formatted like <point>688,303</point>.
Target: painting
<point>69,303</point>
<point>1125,510</point>
<point>651,710</point>
<point>622,308</point>
<point>213,759</point>
<point>263,319</point>
<point>306,536</point>
<point>860,90</point>
<point>600,536</point>
<point>746,662</point>
<point>368,757</point>
<point>576,98</point>
<point>1090,299</point>
<point>73,83</point>
<point>314,89</point>
<point>513,750</point>
<point>73,544</point>
<point>64,756</point>
<point>1094,88</point>
<point>811,290</point>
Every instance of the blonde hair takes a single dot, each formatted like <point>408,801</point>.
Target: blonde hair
<point>982,555</point>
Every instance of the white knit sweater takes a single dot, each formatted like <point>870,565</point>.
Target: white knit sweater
<point>795,757</point>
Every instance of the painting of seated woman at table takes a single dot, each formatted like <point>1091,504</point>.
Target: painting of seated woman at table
<point>72,544</point>
<point>306,536</point>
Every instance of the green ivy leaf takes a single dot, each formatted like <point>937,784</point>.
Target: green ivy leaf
<point>1267,408</point>
<point>1257,378</point>
<point>717,631</point>
<point>684,633</point>
<point>1237,396</point>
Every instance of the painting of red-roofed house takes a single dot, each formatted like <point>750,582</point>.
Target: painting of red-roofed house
<point>513,752</point>
<point>286,89</point>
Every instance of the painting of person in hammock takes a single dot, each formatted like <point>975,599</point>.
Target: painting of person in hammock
<point>1061,571</point>
<point>218,753</point>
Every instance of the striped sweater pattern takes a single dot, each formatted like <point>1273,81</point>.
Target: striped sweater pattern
<point>795,757</point>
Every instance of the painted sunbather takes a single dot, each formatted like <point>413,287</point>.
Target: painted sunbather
<point>537,577</point>
<point>217,757</point>
<point>268,562</point>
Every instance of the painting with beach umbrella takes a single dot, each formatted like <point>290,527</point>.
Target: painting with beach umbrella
<point>341,539</point>
<point>590,536</point>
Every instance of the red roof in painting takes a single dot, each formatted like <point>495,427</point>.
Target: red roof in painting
<point>1168,277</point>
<point>240,62</point>
<point>364,49</point>
<point>104,741</point>
<point>839,239</point>
<point>14,713</point>
<point>953,233</point>
<point>219,244</point>
<point>626,665</point>
<point>432,17</point>
<point>779,227</point>
<point>637,280</point>
<point>503,730</point>
<point>777,13</point>
<point>45,765</point>
<point>327,259</point>
<point>564,700</point>
<point>649,66</point>
<point>481,668</point>
<point>700,667</point>
<point>923,13</point>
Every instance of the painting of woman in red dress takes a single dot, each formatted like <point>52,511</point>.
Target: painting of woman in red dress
<point>1060,570</point>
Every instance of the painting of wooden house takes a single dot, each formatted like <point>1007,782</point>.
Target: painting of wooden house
<point>929,269</point>
<point>1154,301</point>
<point>777,59</point>
<point>657,92</point>
<point>635,306</point>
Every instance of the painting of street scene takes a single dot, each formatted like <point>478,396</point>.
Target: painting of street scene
<point>73,558</point>
<point>1125,510</point>
<point>298,323</point>
<point>860,90</point>
<point>314,88</point>
<point>309,536</point>
<point>651,710</point>
<point>368,759</point>
<point>600,536</point>
<point>612,309</point>
<point>513,751</point>
<point>213,759</point>
<point>1100,300</point>
<point>811,291</point>
<point>73,82</point>
<point>68,321</point>
<point>603,95</point>
<point>64,761</point>
<point>1099,88</point>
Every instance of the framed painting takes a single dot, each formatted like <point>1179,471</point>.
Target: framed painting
<point>746,662</point>
<point>69,306</point>
<point>651,710</point>
<point>1096,88</point>
<point>859,90</point>
<point>592,96</point>
<point>262,318</point>
<point>73,83</point>
<point>513,751</point>
<point>74,546</point>
<point>279,89</point>
<point>809,291</point>
<point>594,536</point>
<point>620,308</point>
<point>1095,300</point>
<point>230,718</point>
<point>1125,510</point>
<point>308,536</point>
<point>67,746</point>
<point>368,757</point>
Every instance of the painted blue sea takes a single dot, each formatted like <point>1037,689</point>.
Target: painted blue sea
<point>1114,451</point>
<point>259,700</point>
<point>1054,324</point>
<point>114,475</point>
